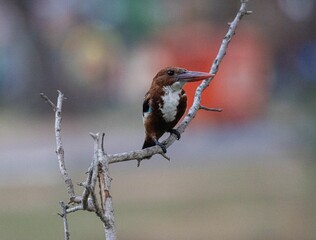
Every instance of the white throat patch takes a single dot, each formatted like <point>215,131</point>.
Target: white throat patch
<point>170,103</point>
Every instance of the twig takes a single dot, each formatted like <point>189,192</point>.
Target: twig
<point>63,214</point>
<point>79,207</point>
<point>74,209</point>
<point>60,150</point>
<point>210,109</point>
<point>226,40</point>
<point>134,155</point>
<point>47,100</point>
<point>214,69</point>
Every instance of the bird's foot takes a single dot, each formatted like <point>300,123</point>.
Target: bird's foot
<point>163,147</point>
<point>175,132</point>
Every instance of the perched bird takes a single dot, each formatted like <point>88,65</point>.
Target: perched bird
<point>166,102</point>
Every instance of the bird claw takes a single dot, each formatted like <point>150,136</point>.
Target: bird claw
<point>161,146</point>
<point>175,132</point>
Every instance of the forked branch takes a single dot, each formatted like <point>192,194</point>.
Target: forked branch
<point>60,150</point>
<point>99,168</point>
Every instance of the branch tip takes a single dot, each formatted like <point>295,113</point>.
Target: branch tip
<point>47,100</point>
<point>60,93</point>
<point>95,136</point>
<point>210,109</point>
<point>165,156</point>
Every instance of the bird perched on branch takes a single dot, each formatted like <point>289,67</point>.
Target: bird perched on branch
<point>166,102</point>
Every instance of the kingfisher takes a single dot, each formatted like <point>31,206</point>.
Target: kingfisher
<point>166,102</point>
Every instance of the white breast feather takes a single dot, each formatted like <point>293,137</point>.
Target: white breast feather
<point>170,104</point>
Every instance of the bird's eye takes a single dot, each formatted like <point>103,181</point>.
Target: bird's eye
<point>170,72</point>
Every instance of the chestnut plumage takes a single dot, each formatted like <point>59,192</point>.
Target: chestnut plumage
<point>166,102</point>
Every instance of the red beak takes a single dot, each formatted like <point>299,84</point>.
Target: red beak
<point>190,76</point>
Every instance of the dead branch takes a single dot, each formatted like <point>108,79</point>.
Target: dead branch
<point>210,109</point>
<point>47,100</point>
<point>60,150</point>
<point>105,189</point>
<point>63,214</point>
<point>99,167</point>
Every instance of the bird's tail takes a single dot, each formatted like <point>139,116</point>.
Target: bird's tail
<point>148,143</point>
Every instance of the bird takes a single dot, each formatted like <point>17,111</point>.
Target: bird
<point>166,102</point>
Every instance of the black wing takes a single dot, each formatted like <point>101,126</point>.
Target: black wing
<point>146,106</point>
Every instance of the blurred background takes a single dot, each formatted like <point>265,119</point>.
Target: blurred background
<point>246,173</point>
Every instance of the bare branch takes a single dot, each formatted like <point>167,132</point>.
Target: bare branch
<point>220,55</point>
<point>98,211</point>
<point>74,209</point>
<point>99,168</point>
<point>63,214</point>
<point>60,149</point>
<point>90,207</point>
<point>89,184</point>
<point>109,226</point>
<point>134,155</point>
<point>95,174</point>
<point>226,40</point>
<point>47,100</point>
<point>210,109</point>
<point>85,195</point>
